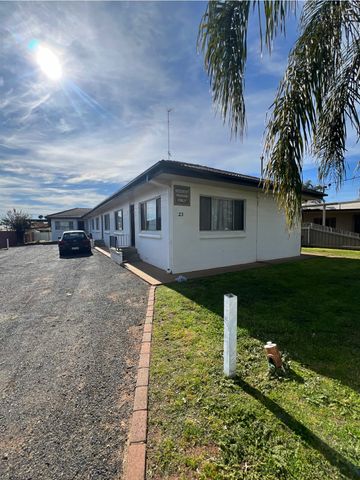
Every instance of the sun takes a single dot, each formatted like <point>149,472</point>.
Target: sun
<point>49,63</point>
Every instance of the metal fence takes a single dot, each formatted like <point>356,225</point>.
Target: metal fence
<point>119,240</point>
<point>314,235</point>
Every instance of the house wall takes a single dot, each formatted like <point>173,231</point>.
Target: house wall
<point>180,246</point>
<point>96,233</point>
<point>265,235</point>
<point>274,238</point>
<point>344,219</point>
<point>56,233</point>
<point>153,247</point>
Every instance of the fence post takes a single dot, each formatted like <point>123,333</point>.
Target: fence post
<point>230,334</point>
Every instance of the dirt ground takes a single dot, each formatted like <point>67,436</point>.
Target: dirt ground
<point>70,332</point>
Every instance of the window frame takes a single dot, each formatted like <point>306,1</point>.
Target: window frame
<point>97,224</point>
<point>116,218</point>
<point>59,225</point>
<point>107,220</point>
<point>93,224</point>
<point>158,215</point>
<point>233,200</point>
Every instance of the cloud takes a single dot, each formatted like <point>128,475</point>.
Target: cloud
<point>73,143</point>
<point>107,121</point>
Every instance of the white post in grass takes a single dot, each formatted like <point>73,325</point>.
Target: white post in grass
<point>7,243</point>
<point>230,333</point>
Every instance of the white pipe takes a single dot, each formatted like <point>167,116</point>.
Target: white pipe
<point>7,243</point>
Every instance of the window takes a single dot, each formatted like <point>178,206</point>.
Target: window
<point>357,223</point>
<point>221,214</point>
<point>92,224</point>
<point>150,215</point>
<point>74,236</point>
<point>97,223</point>
<point>107,222</point>
<point>329,222</point>
<point>118,220</point>
<point>64,225</point>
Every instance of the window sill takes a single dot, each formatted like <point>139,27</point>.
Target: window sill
<point>230,234</point>
<point>150,235</point>
<point>118,232</point>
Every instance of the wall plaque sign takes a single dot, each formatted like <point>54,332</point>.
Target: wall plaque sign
<point>181,195</point>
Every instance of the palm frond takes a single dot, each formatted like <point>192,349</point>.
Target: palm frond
<point>223,40</point>
<point>312,70</point>
<point>340,107</point>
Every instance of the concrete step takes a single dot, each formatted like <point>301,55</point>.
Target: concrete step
<point>130,254</point>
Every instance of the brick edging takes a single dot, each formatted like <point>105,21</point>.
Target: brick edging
<point>135,464</point>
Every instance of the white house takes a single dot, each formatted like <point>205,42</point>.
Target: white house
<point>183,217</point>
<point>67,220</point>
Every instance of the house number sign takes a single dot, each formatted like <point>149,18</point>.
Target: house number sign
<point>181,195</point>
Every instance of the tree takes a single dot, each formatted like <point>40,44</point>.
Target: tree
<point>16,220</point>
<point>309,185</point>
<point>317,99</point>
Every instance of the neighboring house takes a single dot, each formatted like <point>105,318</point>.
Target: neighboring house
<point>339,215</point>
<point>39,231</point>
<point>39,224</point>
<point>183,217</point>
<point>67,220</point>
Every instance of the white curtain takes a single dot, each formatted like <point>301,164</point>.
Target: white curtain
<point>221,214</point>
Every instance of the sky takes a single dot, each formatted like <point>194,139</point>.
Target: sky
<point>73,141</point>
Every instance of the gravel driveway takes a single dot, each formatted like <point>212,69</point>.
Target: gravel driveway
<point>70,332</point>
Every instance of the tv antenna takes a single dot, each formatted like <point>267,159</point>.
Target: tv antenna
<point>168,124</point>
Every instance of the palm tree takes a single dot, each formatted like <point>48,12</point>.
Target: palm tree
<point>317,99</point>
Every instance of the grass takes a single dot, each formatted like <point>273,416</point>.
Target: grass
<point>304,426</point>
<point>332,252</point>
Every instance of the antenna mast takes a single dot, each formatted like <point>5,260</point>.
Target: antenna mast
<point>168,123</point>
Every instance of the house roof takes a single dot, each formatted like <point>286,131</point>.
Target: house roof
<point>194,171</point>
<point>71,213</point>
<point>348,205</point>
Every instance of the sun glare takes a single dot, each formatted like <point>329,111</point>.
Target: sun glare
<point>49,63</point>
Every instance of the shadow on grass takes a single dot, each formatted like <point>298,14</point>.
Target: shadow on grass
<point>310,309</point>
<point>347,469</point>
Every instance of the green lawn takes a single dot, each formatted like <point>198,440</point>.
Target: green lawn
<point>332,252</point>
<point>306,426</point>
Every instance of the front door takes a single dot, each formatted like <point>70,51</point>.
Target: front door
<point>132,226</point>
<point>357,223</point>
<point>81,225</point>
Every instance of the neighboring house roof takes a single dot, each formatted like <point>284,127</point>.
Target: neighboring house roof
<point>71,213</point>
<point>194,171</point>
<point>335,206</point>
<point>39,224</point>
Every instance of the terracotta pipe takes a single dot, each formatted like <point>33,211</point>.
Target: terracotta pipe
<point>273,354</point>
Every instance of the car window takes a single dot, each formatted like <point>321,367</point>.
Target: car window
<point>74,236</point>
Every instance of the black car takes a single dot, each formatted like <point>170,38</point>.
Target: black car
<point>74,241</point>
